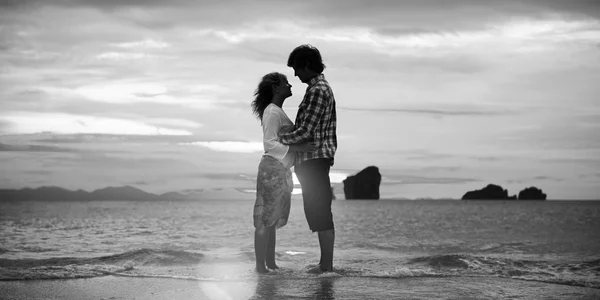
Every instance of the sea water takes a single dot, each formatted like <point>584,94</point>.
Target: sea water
<point>548,241</point>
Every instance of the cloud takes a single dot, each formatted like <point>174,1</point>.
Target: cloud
<point>335,176</point>
<point>428,111</point>
<point>24,123</point>
<point>139,182</point>
<point>578,161</point>
<point>52,101</point>
<point>122,55</point>
<point>405,179</point>
<point>487,158</point>
<point>39,172</point>
<point>431,48</point>
<point>428,156</point>
<point>531,180</point>
<point>391,16</point>
<point>226,176</point>
<point>4,125</point>
<point>90,3</point>
<point>385,16</point>
<point>589,8</point>
<point>431,169</point>
<point>129,161</point>
<point>110,140</point>
<point>549,178</point>
<point>144,44</point>
<point>33,148</point>
<point>516,181</point>
<point>195,96</point>
<point>229,146</point>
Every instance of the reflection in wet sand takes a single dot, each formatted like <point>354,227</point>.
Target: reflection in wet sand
<point>271,287</point>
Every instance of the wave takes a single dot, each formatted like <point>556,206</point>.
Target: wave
<point>586,274</point>
<point>143,257</point>
<point>155,257</point>
<point>36,249</point>
<point>239,266</point>
<point>78,267</point>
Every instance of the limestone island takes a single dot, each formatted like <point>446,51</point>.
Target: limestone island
<point>364,185</point>
<point>496,192</point>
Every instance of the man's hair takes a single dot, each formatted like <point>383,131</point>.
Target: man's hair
<point>306,56</point>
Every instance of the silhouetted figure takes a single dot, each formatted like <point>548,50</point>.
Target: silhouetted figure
<point>274,183</point>
<point>315,122</point>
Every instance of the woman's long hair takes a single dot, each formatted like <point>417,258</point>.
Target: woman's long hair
<point>264,92</point>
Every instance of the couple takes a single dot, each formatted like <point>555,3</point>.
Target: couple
<point>309,146</point>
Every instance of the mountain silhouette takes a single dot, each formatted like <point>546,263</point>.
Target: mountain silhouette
<point>123,193</point>
<point>53,193</point>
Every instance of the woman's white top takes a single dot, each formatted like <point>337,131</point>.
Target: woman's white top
<point>273,119</point>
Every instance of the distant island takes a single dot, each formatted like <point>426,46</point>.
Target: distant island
<point>363,185</point>
<point>130,193</point>
<point>496,192</point>
<point>125,193</point>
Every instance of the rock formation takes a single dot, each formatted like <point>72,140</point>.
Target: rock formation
<point>490,192</point>
<point>363,185</point>
<point>496,192</point>
<point>532,193</point>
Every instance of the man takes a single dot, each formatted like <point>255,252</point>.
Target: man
<point>315,122</point>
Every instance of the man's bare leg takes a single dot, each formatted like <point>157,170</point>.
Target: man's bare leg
<point>326,242</point>
<point>270,255</point>
<point>261,237</point>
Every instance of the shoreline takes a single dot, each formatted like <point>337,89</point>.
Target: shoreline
<point>266,287</point>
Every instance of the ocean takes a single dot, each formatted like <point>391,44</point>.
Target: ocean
<point>212,240</point>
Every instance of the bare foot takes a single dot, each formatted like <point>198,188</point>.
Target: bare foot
<point>272,266</point>
<point>262,270</point>
<point>317,269</point>
<point>314,269</point>
<point>326,269</point>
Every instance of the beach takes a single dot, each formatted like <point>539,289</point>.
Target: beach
<point>271,287</point>
<point>387,249</point>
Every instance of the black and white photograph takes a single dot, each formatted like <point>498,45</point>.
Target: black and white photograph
<point>276,149</point>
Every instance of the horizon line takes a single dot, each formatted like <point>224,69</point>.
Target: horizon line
<point>245,191</point>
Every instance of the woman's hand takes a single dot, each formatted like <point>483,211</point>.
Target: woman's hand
<point>305,147</point>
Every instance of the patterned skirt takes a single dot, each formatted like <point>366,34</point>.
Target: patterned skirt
<point>274,187</point>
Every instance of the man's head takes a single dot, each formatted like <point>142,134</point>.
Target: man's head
<point>306,61</point>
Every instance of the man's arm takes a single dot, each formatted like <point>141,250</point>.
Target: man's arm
<point>316,105</point>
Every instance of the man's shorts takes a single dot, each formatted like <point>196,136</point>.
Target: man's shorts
<point>313,175</point>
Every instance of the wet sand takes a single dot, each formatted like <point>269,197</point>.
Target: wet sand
<point>272,287</point>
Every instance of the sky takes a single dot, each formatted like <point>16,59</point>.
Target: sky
<point>442,96</point>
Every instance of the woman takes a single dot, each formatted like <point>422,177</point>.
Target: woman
<point>274,180</point>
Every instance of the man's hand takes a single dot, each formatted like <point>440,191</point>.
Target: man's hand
<point>285,129</point>
<point>305,147</point>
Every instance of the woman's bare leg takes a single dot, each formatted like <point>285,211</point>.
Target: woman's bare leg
<point>261,237</point>
<point>270,258</point>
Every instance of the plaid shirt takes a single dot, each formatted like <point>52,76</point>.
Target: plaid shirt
<point>315,121</point>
